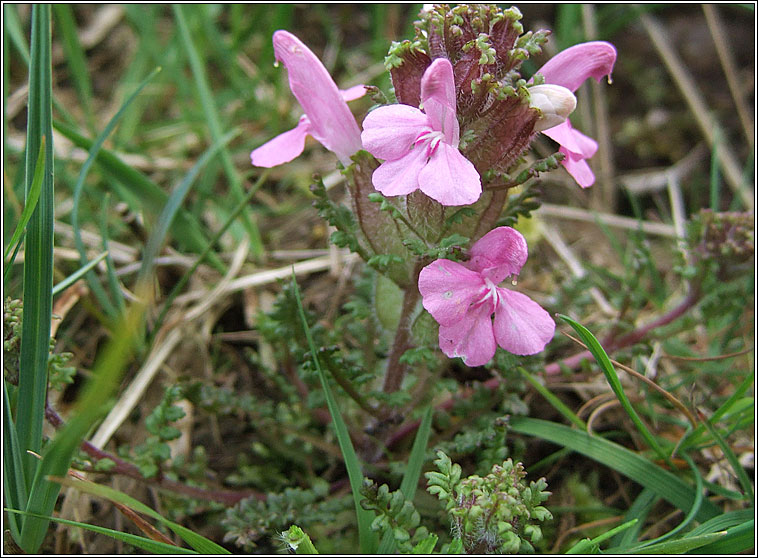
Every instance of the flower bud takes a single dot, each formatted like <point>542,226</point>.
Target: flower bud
<point>554,102</point>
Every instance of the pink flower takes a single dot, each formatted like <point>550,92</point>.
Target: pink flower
<point>420,149</point>
<point>462,297</point>
<point>570,68</point>
<point>327,116</point>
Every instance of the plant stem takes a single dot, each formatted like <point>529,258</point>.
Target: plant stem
<point>395,370</point>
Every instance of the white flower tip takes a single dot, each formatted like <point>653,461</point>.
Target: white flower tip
<point>554,102</point>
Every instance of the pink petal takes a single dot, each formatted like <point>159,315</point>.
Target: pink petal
<point>522,326</point>
<point>332,122</point>
<point>353,93</point>
<point>572,66</point>
<point>578,168</point>
<point>283,148</point>
<point>390,131</point>
<point>471,338</point>
<point>448,290</point>
<point>573,140</point>
<point>438,99</point>
<point>400,176</point>
<point>498,254</point>
<point>450,178</point>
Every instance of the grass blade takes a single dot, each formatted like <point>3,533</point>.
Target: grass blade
<point>409,484</point>
<point>38,260</point>
<point>14,485</point>
<point>588,545</point>
<point>75,58</point>
<point>559,406</point>
<point>214,125</point>
<point>368,538</point>
<point>143,543</point>
<point>78,274</point>
<point>186,227</point>
<point>92,281</point>
<point>196,541</point>
<point>610,373</point>
<point>737,539</point>
<point>174,202</point>
<point>57,455</point>
<point>639,469</point>
<point>30,203</point>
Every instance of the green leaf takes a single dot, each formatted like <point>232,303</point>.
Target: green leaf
<point>639,469</point>
<point>588,545</point>
<point>78,274</point>
<point>610,373</point>
<point>368,538</point>
<point>32,198</point>
<point>38,257</point>
<point>196,541</point>
<point>553,400</point>
<point>14,485</point>
<point>156,547</point>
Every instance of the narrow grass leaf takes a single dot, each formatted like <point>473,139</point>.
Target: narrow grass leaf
<point>12,26</point>
<point>737,540</point>
<point>110,309</point>
<point>206,253</point>
<point>110,271</point>
<point>368,538</point>
<point>409,484</point>
<point>592,545</point>
<point>38,257</point>
<point>195,540</point>
<point>737,467</point>
<point>186,227</point>
<point>639,469</point>
<point>557,404</point>
<point>143,543</point>
<point>174,202</point>
<point>30,203</point>
<point>680,546</point>
<point>639,509</point>
<point>610,373</point>
<point>14,485</point>
<point>75,58</point>
<point>214,126</point>
<point>57,455</point>
<point>78,274</point>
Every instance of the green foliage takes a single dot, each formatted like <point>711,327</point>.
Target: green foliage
<point>150,456</point>
<point>394,514</point>
<point>495,513</point>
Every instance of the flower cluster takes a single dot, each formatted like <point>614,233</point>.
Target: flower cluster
<point>463,120</point>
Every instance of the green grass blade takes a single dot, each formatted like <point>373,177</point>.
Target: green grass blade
<point>174,202</point>
<point>724,521</point>
<point>30,203</point>
<point>78,274</point>
<point>110,270</point>
<point>38,257</point>
<point>680,546</point>
<point>588,545</point>
<point>214,125</point>
<point>94,285</point>
<point>186,227</point>
<point>368,538</point>
<point>738,539</point>
<point>143,543</point>
<point>75,58</point>
<point>12,26</point>
<point>639,509</point>
<point>14,485</point>
<point>93,404</point>
<point>409,484</point>
<point>639,469</point>
<point>737,467</point>
<point>557,404</point>
<point>610,373</point>
<point>196,541</point>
